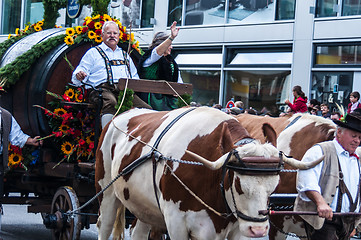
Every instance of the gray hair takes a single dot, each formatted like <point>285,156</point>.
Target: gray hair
<point>107,23</point>
<point>158,38</point>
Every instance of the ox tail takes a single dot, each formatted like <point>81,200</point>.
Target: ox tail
<point>119,224</point>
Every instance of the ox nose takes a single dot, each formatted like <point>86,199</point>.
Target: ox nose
<point>258,231</point>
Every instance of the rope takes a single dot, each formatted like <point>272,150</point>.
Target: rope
<point>177,93</point>
<point>194,195</point>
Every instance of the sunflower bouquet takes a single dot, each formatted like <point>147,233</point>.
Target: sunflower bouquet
<point>91,31</point>
<point>22,158</point>
<point>72,125</point>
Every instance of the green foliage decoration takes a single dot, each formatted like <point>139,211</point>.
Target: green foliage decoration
<point>186,97</point>
<point>7,43</point>
<point>99,7</point>
<point>13,71</point>
<point>128,100</point>
<point>51,11</point>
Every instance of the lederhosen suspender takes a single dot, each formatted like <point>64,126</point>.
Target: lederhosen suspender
<point>343,189</point>
<point>109,63</point>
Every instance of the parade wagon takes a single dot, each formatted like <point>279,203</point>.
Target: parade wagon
<point>58,177</point>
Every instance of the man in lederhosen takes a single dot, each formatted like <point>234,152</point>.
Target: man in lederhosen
<point>102,66</point>
<point>333,185</point>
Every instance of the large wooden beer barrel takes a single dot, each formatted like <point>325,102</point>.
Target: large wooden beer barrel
<point>51,72</point>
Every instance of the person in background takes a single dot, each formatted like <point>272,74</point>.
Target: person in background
<point>316,110</point>
<point>335,116</point>
<point>11,133</point>
<point>93,70</point>
<point>313,103</point>
<point>333,185</point>
<point>240,105</point>
<point>299,103</point>
<point>354,102</point>
<point>158,64</point>
<point>325,111</point>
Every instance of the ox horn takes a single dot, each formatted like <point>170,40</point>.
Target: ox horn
<point>302,165</point>
<point>209,164</point>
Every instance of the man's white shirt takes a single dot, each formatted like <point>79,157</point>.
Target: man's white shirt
<point>17,136</point>
<point>307,180</point>
<point>93,65</point>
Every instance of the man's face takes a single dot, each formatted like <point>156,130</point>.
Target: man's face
<point>348,139</point>
<point>324,109</point>
<point>111,36</point>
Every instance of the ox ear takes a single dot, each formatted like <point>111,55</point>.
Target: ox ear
<point>270,134</point>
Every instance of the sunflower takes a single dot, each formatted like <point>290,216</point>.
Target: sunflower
<point>98,25</point>
<point>70,93</point>
<point>69,40</point>
<point>90,138</point>
<point>79,97</point>
<point>15,159</point>
<point>9,36</point>
<point>60,111</point>
<point>107,18</point>
<point>37,28</point>
<point>120,35</point>
<point>70,31</point>
<point>27,28</point>
<point>41,23</point>
<point>67,148</point>
<point>64,128</point>
<point>78,29</point>
<point>132,37</point>
<point>17,31</point>
<point>91,35</point>
<point>98,39</point>
<point>96,17</point>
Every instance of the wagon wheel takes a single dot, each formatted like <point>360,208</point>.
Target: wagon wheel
<point>67,228</point>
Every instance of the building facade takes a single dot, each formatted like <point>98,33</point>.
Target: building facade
<point>249,50</point>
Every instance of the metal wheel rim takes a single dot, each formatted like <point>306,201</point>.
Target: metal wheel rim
<point>65,199</point>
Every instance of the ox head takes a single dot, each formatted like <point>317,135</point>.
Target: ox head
<point>250,175</point>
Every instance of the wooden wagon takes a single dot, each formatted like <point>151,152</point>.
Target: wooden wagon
<point>52,188</point>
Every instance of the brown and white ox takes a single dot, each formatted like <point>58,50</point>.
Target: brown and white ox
<point>296,135</point>
<point>189,196</point>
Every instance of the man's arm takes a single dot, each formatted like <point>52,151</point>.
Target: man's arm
<point>323,209</point>
<point>83,69</point>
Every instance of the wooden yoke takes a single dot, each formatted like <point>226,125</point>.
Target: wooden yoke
<point>156,86</point>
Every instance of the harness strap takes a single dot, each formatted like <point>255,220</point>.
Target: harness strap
<point>343,189</point>
<point>109,63</point>
<point>155,161</point>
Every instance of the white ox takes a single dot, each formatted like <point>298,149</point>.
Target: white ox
<point>190,197</point>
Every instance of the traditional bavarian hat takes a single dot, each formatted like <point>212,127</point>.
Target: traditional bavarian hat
<point>351,121</point>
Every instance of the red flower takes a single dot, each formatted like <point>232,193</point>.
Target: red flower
<point>91,146</point>
<point>98,32</point>
<point>77,133</point>
<point>66,97</point>
<point>16,149</point>
<point>91,24</point>
<point>101,17</point>
<point>58,134</point>
<point>85,29</point>
<point>81,142</point>
<point>102,22</point>
<point>79,115</point>
<point>70,131</point>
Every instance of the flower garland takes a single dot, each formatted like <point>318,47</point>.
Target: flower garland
<point>13,71</point>
<point>91,31</point>
<point>19,34</point>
